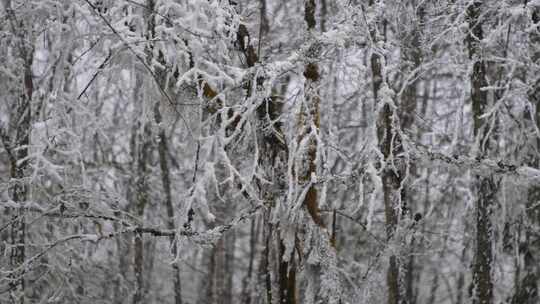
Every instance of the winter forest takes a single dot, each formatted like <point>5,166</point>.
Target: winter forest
<point>270,151</point>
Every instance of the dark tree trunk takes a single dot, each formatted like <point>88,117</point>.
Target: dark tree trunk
<point>17,148</point>
<point>143,150</point>
<point>411,60</point>
<point>482,285</point>
<point>391,180</point>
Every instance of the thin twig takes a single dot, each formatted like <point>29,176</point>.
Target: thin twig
<point>99,69</point>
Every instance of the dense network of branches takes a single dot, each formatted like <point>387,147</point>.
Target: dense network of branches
<point>314,151</point>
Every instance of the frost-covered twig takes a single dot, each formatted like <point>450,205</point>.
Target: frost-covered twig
<point>480,165</point>
<point>364,227</point>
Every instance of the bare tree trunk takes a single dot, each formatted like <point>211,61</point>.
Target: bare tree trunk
<point>482,289</point>
<point>17,149</point>
<point>220,294</point>
<point>138,263</point>
<point>264,24</point>
<point>411,59</point>
<point>19,191</point>
<point>123,243</point>
<point>309,119</point>
<point>274,156</point>
<point>223,255</point>
<point>247,282</point>
<point>265,268</point>
<point>142,197</point>
<point>163,151</point>
<point>391,180</point>
<point>143,150</point>
<point>287,277</point>
<point>324,14</point>
<point>122,251</point>
<point>228,267</point>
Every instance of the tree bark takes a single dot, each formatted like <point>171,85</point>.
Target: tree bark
<point>391,180</point>
<point>163,151</point>
<point>17,148</point>
<point>411,60</point>
<point>309,122</point>
<point>143,150</point>
<point>482,289</point>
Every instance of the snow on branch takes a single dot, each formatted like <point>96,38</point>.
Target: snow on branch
<point>480,165</point>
